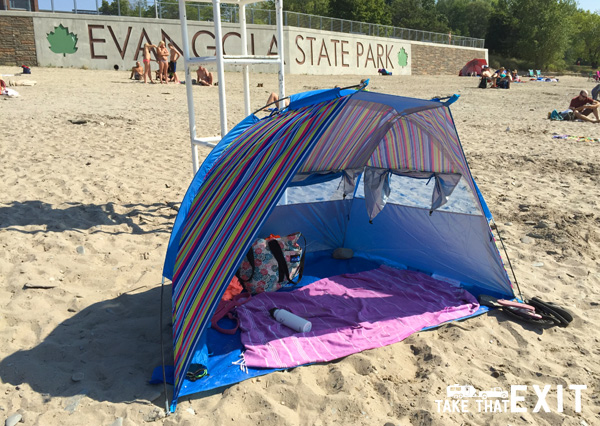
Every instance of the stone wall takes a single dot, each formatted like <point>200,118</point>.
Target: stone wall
<point>107,42</point>
<point>431,59</point>
<point>17,41</point>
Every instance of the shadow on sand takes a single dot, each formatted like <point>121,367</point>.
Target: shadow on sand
<point>111,346</point>
<point>77,216</point>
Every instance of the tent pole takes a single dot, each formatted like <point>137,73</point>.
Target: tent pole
<point>508,259</point>
<point>188,84</point>
<point>162,347</point>
<point>279,11</point>
<point>246,68</point>
<point>220,65</point>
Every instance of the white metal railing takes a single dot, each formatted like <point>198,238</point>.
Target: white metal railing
<point>231,14</point>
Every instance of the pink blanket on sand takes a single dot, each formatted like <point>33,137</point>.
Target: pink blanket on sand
<point>349,313</point>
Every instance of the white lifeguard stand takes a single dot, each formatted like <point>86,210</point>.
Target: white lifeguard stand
<point>244,59</point>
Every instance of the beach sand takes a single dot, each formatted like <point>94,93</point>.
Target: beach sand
<point>85,217</point>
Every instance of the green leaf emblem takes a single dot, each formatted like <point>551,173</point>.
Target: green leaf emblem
<point>62,41</point>
<point>402,58</point>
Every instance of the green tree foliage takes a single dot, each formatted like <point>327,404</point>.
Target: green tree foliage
<point>311,7</point>
<point>469,18</point>
<point>113,8</point>
<point>545,29</point>
<point>418,15</point>
<point>503,29</point>
<point>587,35</point>
<point>371,11</point>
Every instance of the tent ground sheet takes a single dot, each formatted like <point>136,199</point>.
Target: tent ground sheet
<point>438,302</point>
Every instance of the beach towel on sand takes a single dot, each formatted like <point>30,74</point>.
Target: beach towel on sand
<point>576,138</point>
<point>349,313</point>
<point>9,92</point>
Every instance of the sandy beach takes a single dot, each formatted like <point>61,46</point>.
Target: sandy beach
<point>94,166</point>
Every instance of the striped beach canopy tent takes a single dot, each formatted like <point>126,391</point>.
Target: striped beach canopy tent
<point>383,175</point>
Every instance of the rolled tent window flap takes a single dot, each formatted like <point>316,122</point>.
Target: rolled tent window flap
<point>349,180</point>
<point>305,179</point>
<point>377,190</point>
<point>444,186</point>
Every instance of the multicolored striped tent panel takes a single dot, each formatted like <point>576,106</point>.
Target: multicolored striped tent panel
<point>237,193</point>
<point>376,135</point>
<point>438,148</point>
<point>351,137</point>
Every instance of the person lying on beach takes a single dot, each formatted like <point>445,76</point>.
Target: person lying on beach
<point>163,61</point>
<point>5,91</point>
<point>205,77</point>
<point>582,106</point>
<point>147,69</point>
<point>21,83</point>
<point>174,55</point>
<point>137,71</point>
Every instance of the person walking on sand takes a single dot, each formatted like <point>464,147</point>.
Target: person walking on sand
<point>582,106</point>
<point>146,60</point>
<point>163,62</point>
<point>205,77</point>
<point>174,55</point>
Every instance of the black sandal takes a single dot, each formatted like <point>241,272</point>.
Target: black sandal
<point>561,316</point>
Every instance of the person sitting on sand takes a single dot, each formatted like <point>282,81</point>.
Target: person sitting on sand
<point>147,69</point>
<point>582,106</point>
<point>137,71</point>
<point>596,92</point>
<point>486,76</point>
<point>174,55</point>
<point>205,77</point>
<point>502,78</point>
<point>274,97</point>
<point>515,76</point>
<point>163,64</point>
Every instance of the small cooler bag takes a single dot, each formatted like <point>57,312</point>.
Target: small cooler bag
<point>271,263</point>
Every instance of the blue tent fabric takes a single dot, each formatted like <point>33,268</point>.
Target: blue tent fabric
<point>233,199</point>
<point>486,209</point>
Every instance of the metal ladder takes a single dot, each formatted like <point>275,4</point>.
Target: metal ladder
<point>244,59</point>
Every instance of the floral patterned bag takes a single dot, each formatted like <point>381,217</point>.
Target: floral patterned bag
<point>271,263</point>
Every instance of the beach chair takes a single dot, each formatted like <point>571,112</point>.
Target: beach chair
<point>531,74</point>
<point>538,73</point>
